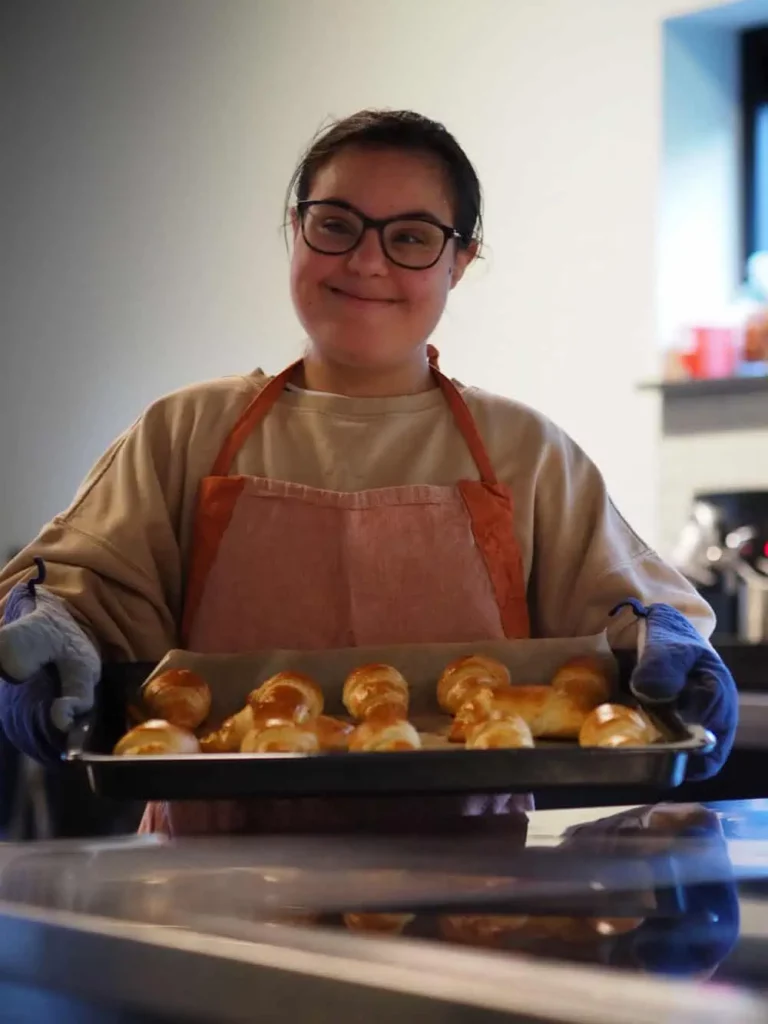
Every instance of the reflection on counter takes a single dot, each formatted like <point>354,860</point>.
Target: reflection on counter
<point>653,889</point>
<point>685,918</point>
<point>605,908</point>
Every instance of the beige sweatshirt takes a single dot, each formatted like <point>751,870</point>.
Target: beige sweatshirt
<point>119,555</point>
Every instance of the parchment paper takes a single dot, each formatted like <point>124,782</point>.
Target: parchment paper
<point>232,677</point>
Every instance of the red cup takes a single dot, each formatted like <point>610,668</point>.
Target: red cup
<point>714,352</point>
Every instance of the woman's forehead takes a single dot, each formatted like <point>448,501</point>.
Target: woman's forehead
<point>384,182</point>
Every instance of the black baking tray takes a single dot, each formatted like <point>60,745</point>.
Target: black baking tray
<point>222,776</point>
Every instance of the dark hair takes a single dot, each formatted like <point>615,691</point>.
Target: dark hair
<point>397,129</point>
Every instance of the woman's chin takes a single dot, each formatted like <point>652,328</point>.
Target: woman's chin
<point>371,352</point>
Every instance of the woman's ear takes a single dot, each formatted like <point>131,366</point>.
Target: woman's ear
<point>461,261</point>
<point>294,222</point>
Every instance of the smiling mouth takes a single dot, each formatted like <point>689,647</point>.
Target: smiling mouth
<point>361,298</point>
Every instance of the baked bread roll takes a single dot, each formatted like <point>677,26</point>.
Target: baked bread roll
<point>230,734</point>
<point>550,714</point>
<point>283,706</point>
<point>383,924</point>
<point>156,737</point>
<point>486,704</point>
<point>585,680</point>
<point>332,733</point>
<point>385,730</point>
<point>498,733</point>
<point>178,696</point>
<point>290,689</point>
<point>561,717</point>
<point>614,725</point>
<point>281,739</point>
<point>463,676</point>
<point>370,687</point>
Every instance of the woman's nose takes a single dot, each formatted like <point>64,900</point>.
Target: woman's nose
<point>368,257</point>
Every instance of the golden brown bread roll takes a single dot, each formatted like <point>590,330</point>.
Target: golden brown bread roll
<point>509,732</point>
<point>585,680</point>
<point>613,725</point>
<point>332,733</point>
<point>370,687</point>
<point>487,703</point>
<point>178,696</point>
<point>290,689</point>
<point>230,734</point>
<point>383,924</point>
<point>281,739</point>
<point>385,730</point>
<point>283,705</point>
<point>549,714</point>
<point>156,737</point>
<point>560,718</point>
<point>463,676</point>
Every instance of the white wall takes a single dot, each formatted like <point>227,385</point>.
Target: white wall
<point>146,148</point>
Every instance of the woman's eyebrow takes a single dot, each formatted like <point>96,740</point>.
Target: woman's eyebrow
<point>419,215</point>
<point>405,215</point>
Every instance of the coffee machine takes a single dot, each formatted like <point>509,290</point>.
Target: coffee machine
<point>723,551</point>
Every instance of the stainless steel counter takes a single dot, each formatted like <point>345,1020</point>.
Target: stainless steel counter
<point>266,973</point>
<point>196,931</point>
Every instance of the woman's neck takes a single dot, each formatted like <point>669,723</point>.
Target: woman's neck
<point>317,374</point>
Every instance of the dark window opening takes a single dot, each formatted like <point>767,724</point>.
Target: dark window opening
<point>754,107</point>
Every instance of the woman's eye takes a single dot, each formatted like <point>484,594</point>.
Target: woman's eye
<point>336,226</point>
<point>410,238</point>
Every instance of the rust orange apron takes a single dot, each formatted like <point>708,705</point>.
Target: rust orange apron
<point>277,565</point>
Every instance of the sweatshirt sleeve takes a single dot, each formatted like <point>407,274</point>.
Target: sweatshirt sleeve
<point>587,559</point>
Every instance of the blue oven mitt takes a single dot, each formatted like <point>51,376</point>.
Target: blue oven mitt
<point>677,666</point>
<point>48,670</point>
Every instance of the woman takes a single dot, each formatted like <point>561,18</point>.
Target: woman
<point>359,497</point>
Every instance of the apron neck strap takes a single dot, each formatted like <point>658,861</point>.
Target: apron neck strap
<point>261,404</point>
<point>463,419</point>
<point>253,414</point>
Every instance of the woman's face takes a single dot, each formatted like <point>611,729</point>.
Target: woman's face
<point>360,309</point>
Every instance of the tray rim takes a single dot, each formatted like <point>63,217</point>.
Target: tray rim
<point>699,741</point>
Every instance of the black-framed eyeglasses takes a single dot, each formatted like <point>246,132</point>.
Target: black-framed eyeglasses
<point>334,228</point>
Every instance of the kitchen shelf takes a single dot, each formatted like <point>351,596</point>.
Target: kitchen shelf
<point>708,387</point>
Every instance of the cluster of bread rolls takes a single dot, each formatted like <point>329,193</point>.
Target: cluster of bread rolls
<point>284,715</point>
<point>377,696</point>
<point>177,702</point>
<point>490,713</point>
<point>282,712</point>
<point>494,931</point>
<point>468,689</point>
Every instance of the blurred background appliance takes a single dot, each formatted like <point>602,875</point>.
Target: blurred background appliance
<point>723,551</point>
